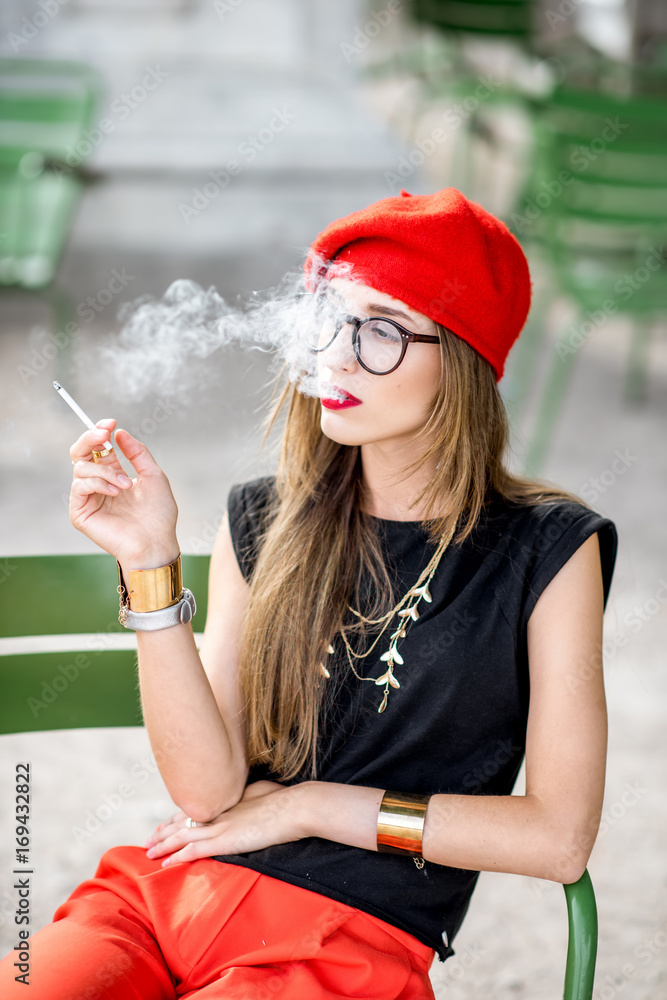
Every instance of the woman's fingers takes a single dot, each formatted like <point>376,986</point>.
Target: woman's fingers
<point>94,440</point>
<point>137,453</point>
<point>97,471</point>
<point>83,488</point>
<point>179,839</point>
<point>163,830</point>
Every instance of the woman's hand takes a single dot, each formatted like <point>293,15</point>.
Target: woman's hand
<point>132,519</point>
<point>264,816</point>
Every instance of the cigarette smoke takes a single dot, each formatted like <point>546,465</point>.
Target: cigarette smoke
<point>161,342</point>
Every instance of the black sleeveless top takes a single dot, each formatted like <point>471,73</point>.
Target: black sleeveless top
<point>457,723</point>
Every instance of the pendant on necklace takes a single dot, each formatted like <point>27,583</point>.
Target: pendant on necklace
<point>387,678</point>
<point>323,669</point>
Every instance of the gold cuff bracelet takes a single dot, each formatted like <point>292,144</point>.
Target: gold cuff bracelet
<point>401,823</point>
<point>151,589</point>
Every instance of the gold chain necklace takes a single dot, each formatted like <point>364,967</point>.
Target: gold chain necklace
<point>419,592</point>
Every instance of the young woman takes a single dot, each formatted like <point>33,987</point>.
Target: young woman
<point>394,620</point>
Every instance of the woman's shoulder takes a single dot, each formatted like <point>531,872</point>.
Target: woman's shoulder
<point>541,535</point>
<point>254,495</point>
<point>247,505</point>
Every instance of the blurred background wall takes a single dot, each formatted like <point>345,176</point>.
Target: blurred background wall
<point>212,140</point>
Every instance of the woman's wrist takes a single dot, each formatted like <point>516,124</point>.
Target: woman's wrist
<point>153,557</point>
<point>336,811</point>
<point>303,808</point>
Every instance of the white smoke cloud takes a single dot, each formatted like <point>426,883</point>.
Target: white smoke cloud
<point>161,342</point>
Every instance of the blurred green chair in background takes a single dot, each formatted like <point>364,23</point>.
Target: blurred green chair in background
<point>596,207</point>
<point>450,75</point>
<point>492,18</point>
<point>46,108</point>
<point>90,683</point>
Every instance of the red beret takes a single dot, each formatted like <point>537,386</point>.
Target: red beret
<point>444,256</point>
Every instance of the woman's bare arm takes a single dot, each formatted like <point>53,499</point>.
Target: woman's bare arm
<point>190,703</point>
<point>191,700</point>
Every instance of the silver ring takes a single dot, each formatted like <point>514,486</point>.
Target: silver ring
<point>191,822</point>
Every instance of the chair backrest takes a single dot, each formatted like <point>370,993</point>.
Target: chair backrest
<point>83,679</point>
<point>597,196</point>
<point>46,106</point>
<point>489,18</point>
<point>90,683</point>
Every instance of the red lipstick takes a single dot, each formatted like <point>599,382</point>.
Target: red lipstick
<point>339,404</point>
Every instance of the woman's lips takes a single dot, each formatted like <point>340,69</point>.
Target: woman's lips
<point>339,404</point>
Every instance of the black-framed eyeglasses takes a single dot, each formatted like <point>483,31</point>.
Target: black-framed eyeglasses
<point>379,343</point>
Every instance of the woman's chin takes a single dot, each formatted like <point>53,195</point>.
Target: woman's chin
<point>334,427</point>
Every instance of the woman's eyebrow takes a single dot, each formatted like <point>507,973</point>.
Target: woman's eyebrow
<point>378,307</point>
<point>375,307</point>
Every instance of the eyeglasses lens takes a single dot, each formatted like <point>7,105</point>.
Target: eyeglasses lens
<point>380,343</point>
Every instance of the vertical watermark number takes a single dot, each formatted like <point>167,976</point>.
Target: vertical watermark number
<point>23,872</point>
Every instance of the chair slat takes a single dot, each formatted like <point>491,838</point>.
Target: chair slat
<point>73,690</point>
<point>57,595</point>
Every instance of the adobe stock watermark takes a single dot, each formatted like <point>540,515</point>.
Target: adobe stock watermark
<point>87,310</point>
<point>67,673</point>
<point>364,33</point>
<point>112,802</point>
<point>479,776</point>
<point>31,26</point>
<point>594,487</point>
<point>460,624</point>
<point>636,619</point>
<point>459,964</point>
<point>625,287</point>
<point>645,951</point>
<point>223,7</point>
<point>121,107</point>
<point>633,792</point>
<point>453,117</point>
<point>580,158</point>
<point>162,411</point>
<point>203,542</point>
<point>108,973</point>
<point>247,152</point>
<point>564,10</point>
<point>7,567</point>
<point>448,293</point>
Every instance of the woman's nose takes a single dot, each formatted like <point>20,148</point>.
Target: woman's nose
<point>339,354</point>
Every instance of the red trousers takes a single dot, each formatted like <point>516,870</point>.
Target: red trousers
<point>136,931</point>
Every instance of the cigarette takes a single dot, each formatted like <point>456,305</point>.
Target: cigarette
<point>79,412</point>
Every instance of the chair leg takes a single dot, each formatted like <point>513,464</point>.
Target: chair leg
<point>516,384</point>
<point>551,400</point>
<point>635,381</point>
<point>583,939</point>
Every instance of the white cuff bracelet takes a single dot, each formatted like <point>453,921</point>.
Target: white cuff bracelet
<point>153,621</point>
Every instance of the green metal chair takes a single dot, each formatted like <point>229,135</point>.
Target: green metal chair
<point>94,685</point>
<point>449,73</point>
<point>600,233</point>
<point>45,106</point>
<point>506,18</point>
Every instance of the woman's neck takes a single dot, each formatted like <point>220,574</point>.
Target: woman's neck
<point>388,495</point>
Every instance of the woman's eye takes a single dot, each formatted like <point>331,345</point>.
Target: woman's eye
<point>382,331</point>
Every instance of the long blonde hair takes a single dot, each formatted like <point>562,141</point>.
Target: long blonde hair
<point>317,544</point>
